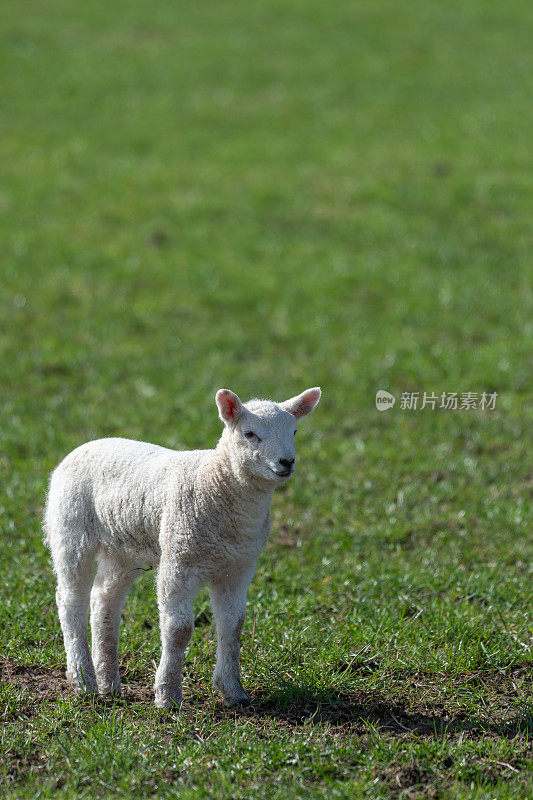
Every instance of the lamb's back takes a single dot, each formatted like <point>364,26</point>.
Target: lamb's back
<point>118,487</point>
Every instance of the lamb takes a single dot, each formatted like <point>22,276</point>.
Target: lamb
<point>201,516</point>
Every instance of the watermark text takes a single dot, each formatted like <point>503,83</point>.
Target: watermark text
<point>449,401</point>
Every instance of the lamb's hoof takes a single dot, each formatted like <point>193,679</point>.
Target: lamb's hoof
<point>241,702</point>
<point>168,702</point>
<point>80,684</point>
<point>111,691</point>
<point>85,691</point>
<point>109,685</point>
<point>82,689</point>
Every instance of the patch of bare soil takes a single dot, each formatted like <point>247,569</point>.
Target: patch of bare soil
<point>38,684</point>
<point>414,706</point>
<point>285,536</point>
<point>501,691</point>
<point>414,782</point>
<point>353,712</point>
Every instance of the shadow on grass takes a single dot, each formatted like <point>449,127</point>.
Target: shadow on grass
<point>296,705</point>
<point>293,705</point>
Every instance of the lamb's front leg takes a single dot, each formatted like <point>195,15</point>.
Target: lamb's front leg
<point>175,595</point>
<point>228,600</point>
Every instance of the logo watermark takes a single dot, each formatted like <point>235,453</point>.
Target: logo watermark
<point>384,400</point>
<point>449,401</point>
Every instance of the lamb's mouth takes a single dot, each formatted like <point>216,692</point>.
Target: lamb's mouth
<point>286,474</point>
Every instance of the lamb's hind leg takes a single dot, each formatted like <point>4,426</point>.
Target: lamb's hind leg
<point>111,585</point>
<point>74,571</point>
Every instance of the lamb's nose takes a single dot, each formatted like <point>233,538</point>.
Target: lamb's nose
<point>286,463</point>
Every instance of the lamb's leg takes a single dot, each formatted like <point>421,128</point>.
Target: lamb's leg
<point>74,577</point>
<point>175,596</point>
<point>111,586</point>
<point>228,601</point>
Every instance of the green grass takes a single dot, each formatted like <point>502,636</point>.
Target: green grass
<point>270,196</point>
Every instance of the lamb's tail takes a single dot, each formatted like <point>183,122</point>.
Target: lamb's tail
<point>46,524</point>
<point>46,530</point>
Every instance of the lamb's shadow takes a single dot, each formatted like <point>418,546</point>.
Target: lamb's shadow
<point>292,705</point>
<point>298,705</point>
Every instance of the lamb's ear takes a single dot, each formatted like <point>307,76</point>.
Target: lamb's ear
<point>303,403</point>
<point>230,407</point>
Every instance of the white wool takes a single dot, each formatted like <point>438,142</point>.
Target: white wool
<point>201,516</point>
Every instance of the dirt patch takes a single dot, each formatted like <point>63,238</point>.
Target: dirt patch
<point>406,711</point>
<point>285,536</point>
<point>38,684</point>
<point>412,782</point>
<point>42,683</point>
<point>412,707</point>
<point>399,718</point>
<point>415,781</point>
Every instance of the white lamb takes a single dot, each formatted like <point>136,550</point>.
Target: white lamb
<point>203,516</point>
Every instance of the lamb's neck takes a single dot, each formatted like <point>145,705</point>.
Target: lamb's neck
<point>239,495</point>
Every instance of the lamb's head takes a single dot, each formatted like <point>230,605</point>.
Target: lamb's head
<point>260,434</point>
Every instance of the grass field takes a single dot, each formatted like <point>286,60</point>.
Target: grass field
<point>269,196</point>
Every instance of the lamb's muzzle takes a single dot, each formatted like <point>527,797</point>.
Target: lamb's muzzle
<point>201,516</point>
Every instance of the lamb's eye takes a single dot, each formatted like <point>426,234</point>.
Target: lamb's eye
<point>252,435</point>
<point>295,432</point>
